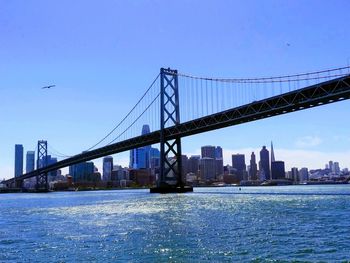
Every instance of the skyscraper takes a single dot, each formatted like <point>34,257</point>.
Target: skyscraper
<point>107,168</point>
<point>30,161</point>
<point>207,169</point>
<point>193,164</point>
<point>82,172</point>
<point>219,169</point>
<point>278,170</point>
<point>264,164</point>
<point>140,157</point>
<point>253,170</point>
<point>208,152</point>
<point>218,152</point>
<point>238,163</point>
<point>154,158</point>
<point>295,175</point>
<point>303,174</point>
<point>18,160</point>
<point>331,165</point>
<point>145,129</point>
<point>272,153</point>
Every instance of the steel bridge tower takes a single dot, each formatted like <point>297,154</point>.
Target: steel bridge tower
<point>170,175</point>
<point>41,179</point>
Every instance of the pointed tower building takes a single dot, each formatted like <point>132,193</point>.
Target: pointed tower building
<point>277,167</point>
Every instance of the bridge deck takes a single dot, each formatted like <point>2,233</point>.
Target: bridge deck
<point>311,96</point>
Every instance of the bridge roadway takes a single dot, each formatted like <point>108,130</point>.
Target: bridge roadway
<point>316,95</point>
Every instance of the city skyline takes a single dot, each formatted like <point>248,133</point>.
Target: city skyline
<point>240,161</point>
<point>95,77</point>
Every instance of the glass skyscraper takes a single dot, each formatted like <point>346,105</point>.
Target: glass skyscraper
<point>253,169</point>
<point>107,168</point>
<point>30,161</point>
<point>264,164</point>
<point>18,160</point>
<point>238,163</point>
<point>140,157</point>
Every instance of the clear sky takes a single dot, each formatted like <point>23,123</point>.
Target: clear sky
<point>102,55</point>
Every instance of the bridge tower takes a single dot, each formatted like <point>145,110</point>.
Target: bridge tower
<point>41,179</point>
<point>170,177</point>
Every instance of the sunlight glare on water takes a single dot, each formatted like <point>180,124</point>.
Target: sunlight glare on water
<point>212,224</point>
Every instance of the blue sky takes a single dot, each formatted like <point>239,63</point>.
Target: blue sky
<point>103,55</point>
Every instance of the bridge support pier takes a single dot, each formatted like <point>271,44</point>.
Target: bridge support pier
<point>170,177</point>
<point>41,180</point>
<point>19,184</point>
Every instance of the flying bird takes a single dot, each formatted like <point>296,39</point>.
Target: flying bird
<point>48,87</point>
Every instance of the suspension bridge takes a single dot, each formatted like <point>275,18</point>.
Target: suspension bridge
<point>176,105</point>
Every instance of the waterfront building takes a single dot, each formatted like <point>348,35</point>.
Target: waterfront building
<point>264,164</point>
<point>53,174</point>
<point>238,164</point>
<point>304,174</point>
<point>140,157</point>
<point>18,160</point>
<point>30,161</point>
<point>193,164</point>
<point>295,175</point>
<point>82,172</point>
<point>219,168</point>
<point>253,168</point>
<point>207,169</point>
<point>154,158</point>
<point>278,170</point>
<point>154,163</point>
<point>107,168</point>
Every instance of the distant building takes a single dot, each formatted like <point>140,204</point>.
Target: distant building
<point>218,153</point>
<point>295,175</point>
<point>193,164</point>
<point>53,174</point>
<point>208,152</point>
<point>219,162</point>
<point>82,172</point>
<point>330,166</point>
<point>30,161</point>
<point>207,169</point>
<point>304,175</point>
<point>140,157</point>
<point>264,164</point>
<point>219,168</point>
<point>18,160</point>
<point>272,153</point>
<point>238,163</point>
<point>253,168</point>
<point>336,168</point>
<point>107,168</point>
<point>142,177</point>
<point>278,170</point>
